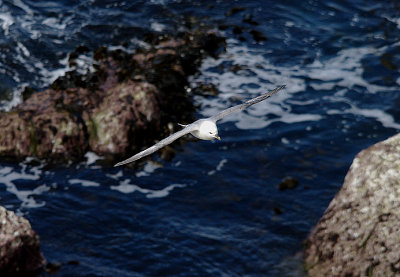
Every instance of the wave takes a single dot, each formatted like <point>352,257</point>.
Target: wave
<point>306,85</point>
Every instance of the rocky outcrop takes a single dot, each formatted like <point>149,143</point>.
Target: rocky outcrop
<point>19,245</point>
<point>121,106</point>
<point>359,233</point>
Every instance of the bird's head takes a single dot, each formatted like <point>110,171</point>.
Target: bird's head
<point>209,131</point>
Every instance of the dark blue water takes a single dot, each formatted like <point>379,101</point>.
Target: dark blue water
<point>215,209</point>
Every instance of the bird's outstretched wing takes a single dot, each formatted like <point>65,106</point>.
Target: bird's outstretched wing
<point>245,104</point>
<point>189,128</point>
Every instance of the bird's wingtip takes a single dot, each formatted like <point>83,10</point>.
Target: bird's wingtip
<point>279,88</point>
<point>131,159</point>
<point>121,163</point>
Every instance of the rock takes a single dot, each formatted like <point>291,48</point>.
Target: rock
<point>205,90</point>
<point>6,93</point>
<point>19,245</point>
<point>277,211</point>
<point>234,10</point>
<point>288,183</point>
<point>248,18</point>
<point>114,111</point>
<point>55,267</point>
<point>27,92</point>
<point>237,30</point>
<point>45,125</point>
<point>387,61</point>
<point>115,128</point>
<point>258,36</point>
<point>358,234</point>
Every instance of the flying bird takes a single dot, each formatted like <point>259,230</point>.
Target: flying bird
<point>205,128</point>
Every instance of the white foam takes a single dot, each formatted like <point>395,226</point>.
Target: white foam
<point>285,140</point>
<point>116,176</point>
<point>8,176</point>
<point>256,70</point>
<point>6,20</point>
<point>289,24</point>
<point>42,73</point>
<point>395,20</point>
<point>148,169</point>
<point>385,119</point>
<point>163,192</point>
<point>158,27</point>
<point>47,75</point>
<point>54,23</point>
<point>344,70</point>
<point>323,86</point>
<point>37,67</point>
<point>23,49</point>
<point>158,2</point>
<point>23,7</point>
<point>84,183</point>
<point>83,64</point>
<point>126,187</point>
<point>295,118</point>
<point>219,167</point>
<point>16,99</point>
<point>92,158</point>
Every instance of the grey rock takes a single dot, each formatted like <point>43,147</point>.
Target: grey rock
<point>19,245</point>
<point>359,233</point>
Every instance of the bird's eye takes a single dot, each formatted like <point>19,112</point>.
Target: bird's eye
<point>210,133</point>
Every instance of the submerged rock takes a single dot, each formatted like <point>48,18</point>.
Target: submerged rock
<point>19,245</point>
<point>258,36</point>
<point>288,182</point>
<point>120,107</point>
<point>358,234</point>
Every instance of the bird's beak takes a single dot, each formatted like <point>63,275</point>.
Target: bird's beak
<point>217,137</point>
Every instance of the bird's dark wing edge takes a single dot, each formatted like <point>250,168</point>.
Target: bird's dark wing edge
<point>246,104</point>
<point>158,145</point>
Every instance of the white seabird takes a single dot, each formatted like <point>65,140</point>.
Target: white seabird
<point>205,128</point>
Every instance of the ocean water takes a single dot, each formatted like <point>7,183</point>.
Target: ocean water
<point>215,209</point>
